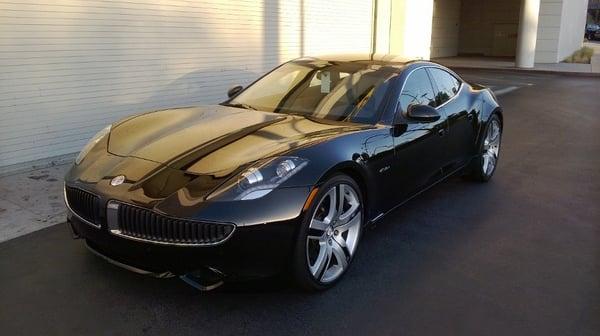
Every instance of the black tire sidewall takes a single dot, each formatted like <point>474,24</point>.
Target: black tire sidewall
<point>301,271</point>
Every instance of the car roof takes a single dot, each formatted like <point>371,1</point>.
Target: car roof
<point>396,61</point>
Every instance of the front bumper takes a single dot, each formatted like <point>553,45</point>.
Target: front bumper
<point>261,244</point>
<point>251,252</point>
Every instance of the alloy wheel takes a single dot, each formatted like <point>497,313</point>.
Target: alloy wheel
<point>333,233</point>
<point>491,147</point>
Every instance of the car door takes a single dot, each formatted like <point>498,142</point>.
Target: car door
<point>418,146</point>
<point>456,107</point>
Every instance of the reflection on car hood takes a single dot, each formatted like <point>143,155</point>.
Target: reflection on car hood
<point>215,140</point>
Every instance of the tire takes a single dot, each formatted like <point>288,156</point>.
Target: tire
<point>327,240</point>
<point>483,167</point>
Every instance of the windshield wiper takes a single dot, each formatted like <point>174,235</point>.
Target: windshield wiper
<point>241,105</point>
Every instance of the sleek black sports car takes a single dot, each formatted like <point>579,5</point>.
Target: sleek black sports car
<point>284,175</point>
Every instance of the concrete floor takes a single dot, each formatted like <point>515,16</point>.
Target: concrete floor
<point>31,201</point>
<point>508,63</point>
<point>520,255</point>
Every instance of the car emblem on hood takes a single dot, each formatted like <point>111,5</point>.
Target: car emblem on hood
<point>117,180</point>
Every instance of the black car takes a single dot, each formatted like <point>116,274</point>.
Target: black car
<point>283,176</point>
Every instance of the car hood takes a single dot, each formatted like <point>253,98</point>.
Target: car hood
<point>216,140</point>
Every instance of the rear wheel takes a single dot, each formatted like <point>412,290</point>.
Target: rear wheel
<point>484,165</point>
<point>329,235</point>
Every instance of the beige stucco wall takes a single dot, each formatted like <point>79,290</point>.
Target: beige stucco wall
<point>572,27</point>
<point>71,67</point>
<point>546,50</point>
<point>410,28</point>
<point>446,26</point>
<point>560,29</point>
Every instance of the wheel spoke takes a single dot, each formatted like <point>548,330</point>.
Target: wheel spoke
<point>327,263</point>
<point>340,240</point>
<point>486,162</point>
<point>318,225</point>
<point>492,163</point>
<point>494,131</point>
<point>489,162</point>
<point>495,142</point>
<point>324,254</point>
<point>332,194</point>
<point>346,216</point>
<point>351,223</point>
<point>341,201</point>
<point>340,254</point>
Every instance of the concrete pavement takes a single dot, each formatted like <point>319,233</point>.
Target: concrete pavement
<point>31,201</point>
<point>508,63</point>
<point>595,62</point>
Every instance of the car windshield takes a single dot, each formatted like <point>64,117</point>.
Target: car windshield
<point>340,91</point>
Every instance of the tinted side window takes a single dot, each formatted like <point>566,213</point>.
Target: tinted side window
<point>447,85</point>
<point>417,90</point>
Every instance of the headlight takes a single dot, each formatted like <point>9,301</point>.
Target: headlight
<point>260,179</point>
<point>88,147</point>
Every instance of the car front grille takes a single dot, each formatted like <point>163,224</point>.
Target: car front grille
<point>143,224</point>
<point>84,204</point>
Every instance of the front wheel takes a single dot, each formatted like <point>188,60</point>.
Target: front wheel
<point>329,235</point>
<point>484,165</point>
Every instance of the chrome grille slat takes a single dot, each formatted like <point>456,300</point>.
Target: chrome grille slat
<point>144,224</point>
<point>84,204</point>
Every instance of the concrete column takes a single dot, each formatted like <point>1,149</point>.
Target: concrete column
<point>410,28</point>
<point>381,29</point>
<point>528,27</point>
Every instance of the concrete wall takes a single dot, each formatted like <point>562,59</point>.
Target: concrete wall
<point>70,67</point>
<point>410,28</point>
<point>572,27</point>
<point>546,50</point>
<point>481,20</point>
<point>446,26</point>
<point>560,29</point>
<point>383,26</point>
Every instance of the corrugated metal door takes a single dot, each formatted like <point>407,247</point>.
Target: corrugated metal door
<point>69,67</point>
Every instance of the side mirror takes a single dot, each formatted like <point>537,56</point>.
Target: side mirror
<point>234,91</point>
<point>423,113</point>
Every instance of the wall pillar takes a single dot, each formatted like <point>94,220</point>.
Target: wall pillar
<point>528,27</point>
<point>381,28</point>
<point>410,28</point>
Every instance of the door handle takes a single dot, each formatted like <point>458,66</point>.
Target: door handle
<point>470,116</point>
<point>441,131</point>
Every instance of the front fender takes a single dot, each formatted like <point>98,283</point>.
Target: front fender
<point>366,156</point>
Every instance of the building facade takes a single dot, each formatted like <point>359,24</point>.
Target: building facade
<point>69,67</point>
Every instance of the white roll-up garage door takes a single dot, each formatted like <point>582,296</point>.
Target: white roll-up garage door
<point>69,67</point>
